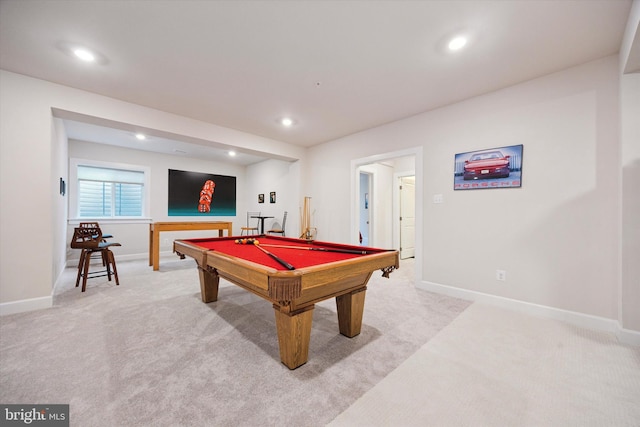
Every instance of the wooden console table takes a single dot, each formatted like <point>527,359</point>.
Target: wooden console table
<point>156,227</point>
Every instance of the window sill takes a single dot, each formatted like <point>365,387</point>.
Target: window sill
<point>136,220</point>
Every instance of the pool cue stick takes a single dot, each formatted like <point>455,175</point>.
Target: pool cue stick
<point>306,248</point>
<point>281,261</point>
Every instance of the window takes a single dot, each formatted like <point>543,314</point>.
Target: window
<point>108,190</point>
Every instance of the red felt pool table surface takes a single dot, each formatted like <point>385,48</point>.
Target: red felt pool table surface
<point>300,254</point>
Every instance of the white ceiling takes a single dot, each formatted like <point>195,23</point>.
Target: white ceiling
<point>336,67</point>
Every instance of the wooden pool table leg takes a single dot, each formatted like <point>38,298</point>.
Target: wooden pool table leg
<point>294,332</point>
<point>209,281</point>
<point>350,309</point>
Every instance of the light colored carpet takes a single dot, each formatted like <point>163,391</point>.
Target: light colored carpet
<point>149,352</point>
<point>493,367</point>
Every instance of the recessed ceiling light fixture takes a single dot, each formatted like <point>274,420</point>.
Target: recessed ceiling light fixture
<point>286,121</point>
<point>80,52</point>
<point>84,54</point>
<point>457,43</point>
<point>232,153</point>
<point>140,136</point>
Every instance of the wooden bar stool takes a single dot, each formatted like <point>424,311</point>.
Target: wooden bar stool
<point>90,240</point>
<point>104,236</point>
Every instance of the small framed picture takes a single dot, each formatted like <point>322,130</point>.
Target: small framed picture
<point>272,197</point>
<point>260,198</point>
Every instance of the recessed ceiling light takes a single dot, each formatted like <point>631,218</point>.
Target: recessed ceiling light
<point>286,121</point>
<point>81,52</point>
<point>232,153</point>
<point>84,54</point>
<point>141,136</point>
<point>457,43</point>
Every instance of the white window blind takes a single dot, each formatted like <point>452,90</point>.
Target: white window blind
<point>106,192</point>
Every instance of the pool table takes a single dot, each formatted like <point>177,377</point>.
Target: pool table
<point>321,270</point>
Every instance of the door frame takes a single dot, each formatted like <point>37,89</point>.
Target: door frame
<point>417,153</point>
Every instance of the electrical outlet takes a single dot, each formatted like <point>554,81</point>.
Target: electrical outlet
<point>437,198</point>
<point>501,275</point>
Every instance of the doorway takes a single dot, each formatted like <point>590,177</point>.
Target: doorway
<point>385,202</point>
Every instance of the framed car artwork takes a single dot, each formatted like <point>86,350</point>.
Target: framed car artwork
<point>492,168</point>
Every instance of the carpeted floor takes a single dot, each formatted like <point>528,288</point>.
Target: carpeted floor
<point>493,367</point>
<point>149,352</point>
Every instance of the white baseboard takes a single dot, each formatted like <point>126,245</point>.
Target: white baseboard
<point>21,306</point>
<point>625,336</point>
<point>629,337</point>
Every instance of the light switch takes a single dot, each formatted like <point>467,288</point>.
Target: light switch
<point>437,198</point>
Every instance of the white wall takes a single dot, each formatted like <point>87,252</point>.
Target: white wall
<point>27,193</point>
<point>630,162</point>
<point>630,281</point>
<point>283,178</point>
<point>556,236</point>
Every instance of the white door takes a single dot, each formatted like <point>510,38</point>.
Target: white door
<point>407,217</point>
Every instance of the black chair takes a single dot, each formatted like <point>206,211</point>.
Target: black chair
<point>276,228</point>
<point>251,229</point>
<point>90,240</point>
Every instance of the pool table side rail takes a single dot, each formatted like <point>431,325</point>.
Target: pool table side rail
<point>300,284</point>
